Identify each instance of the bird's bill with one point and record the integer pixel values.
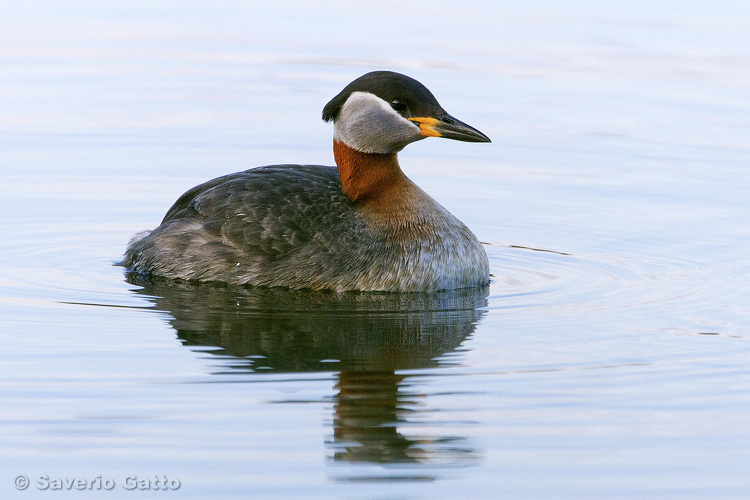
(450, 128)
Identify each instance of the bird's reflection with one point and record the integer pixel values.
(367, 338)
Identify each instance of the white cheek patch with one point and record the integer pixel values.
(367, 123)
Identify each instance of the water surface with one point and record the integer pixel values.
(608, 358)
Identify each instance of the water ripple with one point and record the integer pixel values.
(681, 296)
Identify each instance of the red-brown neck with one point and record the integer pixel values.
(367, 176)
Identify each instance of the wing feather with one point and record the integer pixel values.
(269, 210)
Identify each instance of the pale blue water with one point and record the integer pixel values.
(608, 359)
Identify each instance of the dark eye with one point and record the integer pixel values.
(398, 105)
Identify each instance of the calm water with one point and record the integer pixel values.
(608, 359)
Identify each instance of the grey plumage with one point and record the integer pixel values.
(290, 225)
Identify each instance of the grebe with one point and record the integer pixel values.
(362, 225)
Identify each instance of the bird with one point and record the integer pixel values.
(359, 226)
